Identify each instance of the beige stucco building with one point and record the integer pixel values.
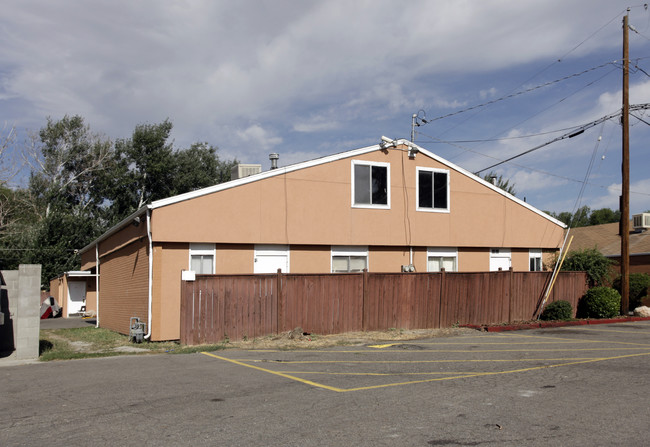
(384, 207)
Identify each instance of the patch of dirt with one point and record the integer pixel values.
(297, 339)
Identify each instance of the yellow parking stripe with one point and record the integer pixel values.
(453, 377)
(577, 340)
(286, 376)
(629, 331)
(297, 362)
(407, 351)
(490, 373)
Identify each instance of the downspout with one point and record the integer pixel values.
(150, 273)
(97, 285)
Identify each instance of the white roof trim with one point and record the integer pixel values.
(307, 164)
(115, 228)
(339, 156)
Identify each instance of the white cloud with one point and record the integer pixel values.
(489, 93)
(258, 137)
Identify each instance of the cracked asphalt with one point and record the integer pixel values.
(561, 386)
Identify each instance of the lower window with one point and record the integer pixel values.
(439, 258)
(202, 258)
(535, 260)
(349, 259)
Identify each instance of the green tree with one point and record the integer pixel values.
(500, 182)
(589, 260)
(65, 165)
(604, 216)
(199, 167)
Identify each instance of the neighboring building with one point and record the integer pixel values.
(607, 240)
(386, 208)
(75, 292)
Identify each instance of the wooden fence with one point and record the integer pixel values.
(216, 307)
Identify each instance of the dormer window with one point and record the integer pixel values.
(370, 184)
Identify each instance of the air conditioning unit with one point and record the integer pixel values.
(641, 221)
(244, 170)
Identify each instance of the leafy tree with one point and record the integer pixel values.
(65, 165)
(584, 216)
(199, 167)
(603, 216)
(500, 182)
(589, 260)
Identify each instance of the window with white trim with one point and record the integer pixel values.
(439, 258)
(370, 184)
(432, 189)
(349, 259)
(535, 260)
(202, 258)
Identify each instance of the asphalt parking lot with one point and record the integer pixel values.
(564, 386)
(426, 361)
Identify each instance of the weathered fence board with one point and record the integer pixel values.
(216, 307)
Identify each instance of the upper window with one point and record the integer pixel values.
(433, 190)
(370, 184)
(202, 258)
(535, 259)
(349, 259)
(439, 258)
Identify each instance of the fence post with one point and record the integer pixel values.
(443, 276)
(510, 298)
(280, 306)
(365, 293)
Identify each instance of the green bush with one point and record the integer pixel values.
(590, 260)
(600, 302)
(639, 283)
(558, 310)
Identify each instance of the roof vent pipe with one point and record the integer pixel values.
(274, 160)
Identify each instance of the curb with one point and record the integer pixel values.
(547, 324)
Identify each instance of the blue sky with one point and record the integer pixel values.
(307, 79)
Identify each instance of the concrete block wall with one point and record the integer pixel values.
(21, 297)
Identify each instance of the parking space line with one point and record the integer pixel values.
(379, 362)
(492, 373)
(628, 331)
(286, 376)
(473, 351)
(577, 340)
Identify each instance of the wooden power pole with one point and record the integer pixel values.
(625, 171)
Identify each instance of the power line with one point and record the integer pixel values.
(512, 95)
(572, 134)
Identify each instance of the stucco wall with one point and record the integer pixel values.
(313, 206)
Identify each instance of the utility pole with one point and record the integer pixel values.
(625, 171)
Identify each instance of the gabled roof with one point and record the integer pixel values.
(340, 156)
(606, 240)
(307, 164)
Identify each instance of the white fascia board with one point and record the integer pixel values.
(261, 176)
(115, 228)
(483, 182)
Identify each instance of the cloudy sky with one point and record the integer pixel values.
(312, 78)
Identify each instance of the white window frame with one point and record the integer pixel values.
(200, 249)
(443, 252)
(352, 182)
(535, 253)
(262, 250)
(346, 250)
(418, 169)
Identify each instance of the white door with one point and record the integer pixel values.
(76, 296)
(270, 258)
(499, 259)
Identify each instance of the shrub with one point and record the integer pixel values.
(558, 310)
(639, 283)
(601, 302)
(590, 260)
